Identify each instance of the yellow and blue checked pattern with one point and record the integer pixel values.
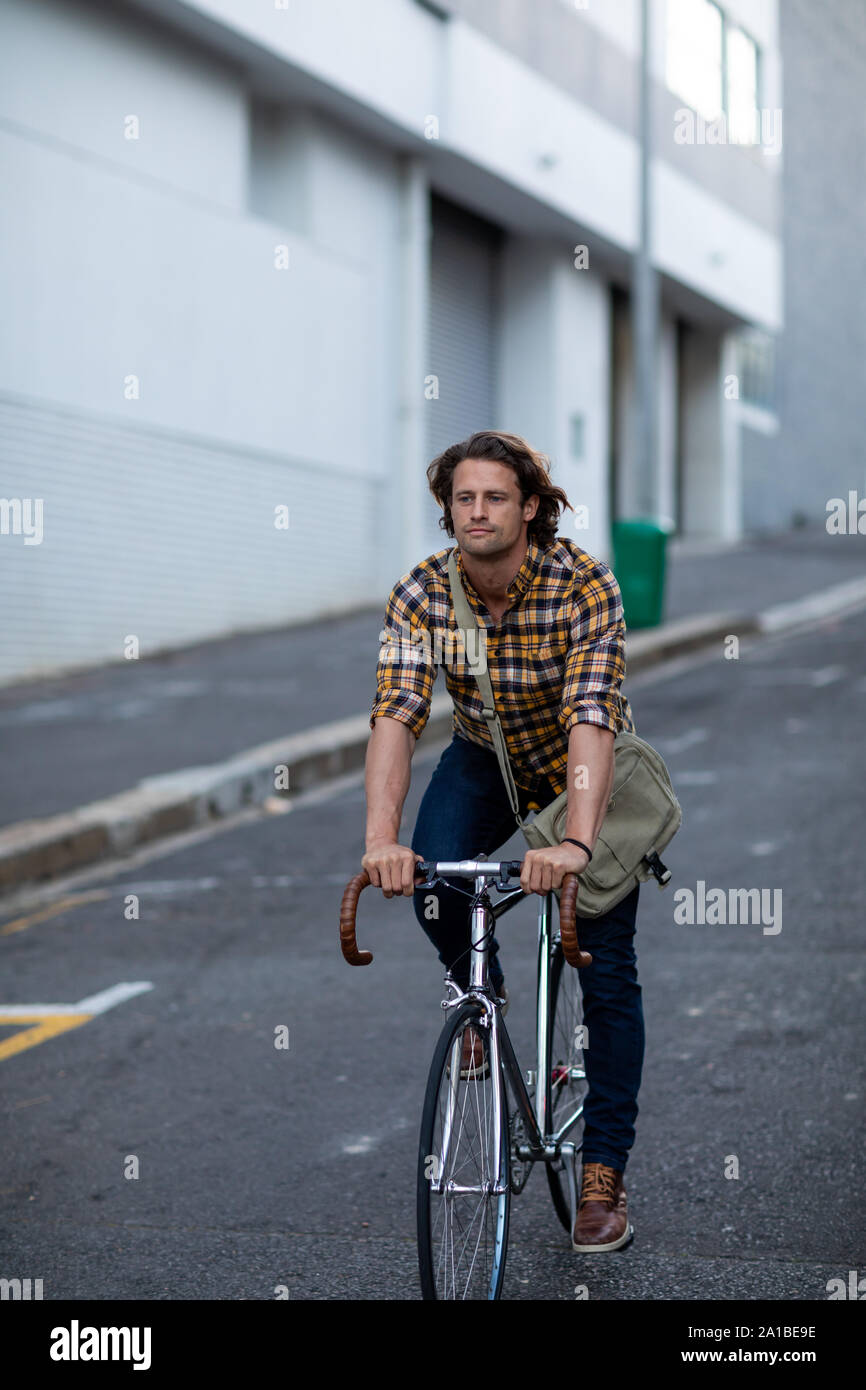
(555, 658)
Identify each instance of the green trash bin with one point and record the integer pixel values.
(639, 559)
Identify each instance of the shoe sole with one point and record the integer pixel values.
(476, 1074)
(624, 1239)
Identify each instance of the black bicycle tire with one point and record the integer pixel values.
(467, 1013)
(557, 1181)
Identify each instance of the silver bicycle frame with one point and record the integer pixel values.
(541, 1145)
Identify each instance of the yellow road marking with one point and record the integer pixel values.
(52, 910)
(39, 1028)
(43, 1021)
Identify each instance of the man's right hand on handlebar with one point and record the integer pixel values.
(391, 867)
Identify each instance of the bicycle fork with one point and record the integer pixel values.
(481, 922)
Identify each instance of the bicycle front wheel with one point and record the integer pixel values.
(464, 1188)
(567, 1072)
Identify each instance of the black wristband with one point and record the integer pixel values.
(568, 841)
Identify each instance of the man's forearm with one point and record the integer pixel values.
(590, 780)
(387, 779)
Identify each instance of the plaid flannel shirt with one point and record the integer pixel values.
(556, 657)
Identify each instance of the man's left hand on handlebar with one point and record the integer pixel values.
(544, 869)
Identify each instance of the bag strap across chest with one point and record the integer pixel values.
(466, 621)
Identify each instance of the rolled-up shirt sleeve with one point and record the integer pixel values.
(595, 663)
(406, 669)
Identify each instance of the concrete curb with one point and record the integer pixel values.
(648, 647)
(826, 603)
(35, 850)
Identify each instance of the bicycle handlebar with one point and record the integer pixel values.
(465, 868)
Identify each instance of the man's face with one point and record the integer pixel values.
(487, 510)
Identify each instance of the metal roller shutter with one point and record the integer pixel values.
(463, 327)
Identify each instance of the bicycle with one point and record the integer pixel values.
(475, 1148)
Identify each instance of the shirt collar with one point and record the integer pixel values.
(521, 582)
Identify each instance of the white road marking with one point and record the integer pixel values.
(172, 885)
(108, 998)
(832, 602)
(366, 1142)
(827, 675)
(362, 1146)
(696, 778)
(38, 713)
(797, 675)
(93, 1004)
(764, 847)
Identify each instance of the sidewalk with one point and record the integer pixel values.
(73, 740)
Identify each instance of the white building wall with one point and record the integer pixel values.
(666, 417)
(73, 76)
(667, 406)
(165, 538)
(620, 21)
(106, 278)
(730, 525)
(507, 119)
(526, 385)
(582, 391)
(702, 243)
(555, 365)
(702, 411)
(166, 386)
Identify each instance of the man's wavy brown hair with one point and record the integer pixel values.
(533, 478)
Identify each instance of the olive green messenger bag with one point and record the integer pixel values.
(642, 815)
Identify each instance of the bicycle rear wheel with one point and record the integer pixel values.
(567, 1071)
(464, 1189)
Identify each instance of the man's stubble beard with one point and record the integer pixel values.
(486, 547)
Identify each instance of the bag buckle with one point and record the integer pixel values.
(657, 869)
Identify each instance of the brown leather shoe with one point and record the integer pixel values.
(473, 1063)
(602, 1212)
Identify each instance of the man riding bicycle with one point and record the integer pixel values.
(553, 636)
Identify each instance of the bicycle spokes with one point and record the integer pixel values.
(467, 1179)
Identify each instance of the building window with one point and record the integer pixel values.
(713, 65)
(756, 369)
(741, 64)
(694, 55)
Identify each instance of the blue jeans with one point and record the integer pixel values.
(465, 812)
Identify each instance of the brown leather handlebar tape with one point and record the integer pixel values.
(348, 908)
(568, 923)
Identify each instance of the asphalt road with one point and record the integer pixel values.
(260, 1167)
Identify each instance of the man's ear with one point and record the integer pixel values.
(530, 507)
